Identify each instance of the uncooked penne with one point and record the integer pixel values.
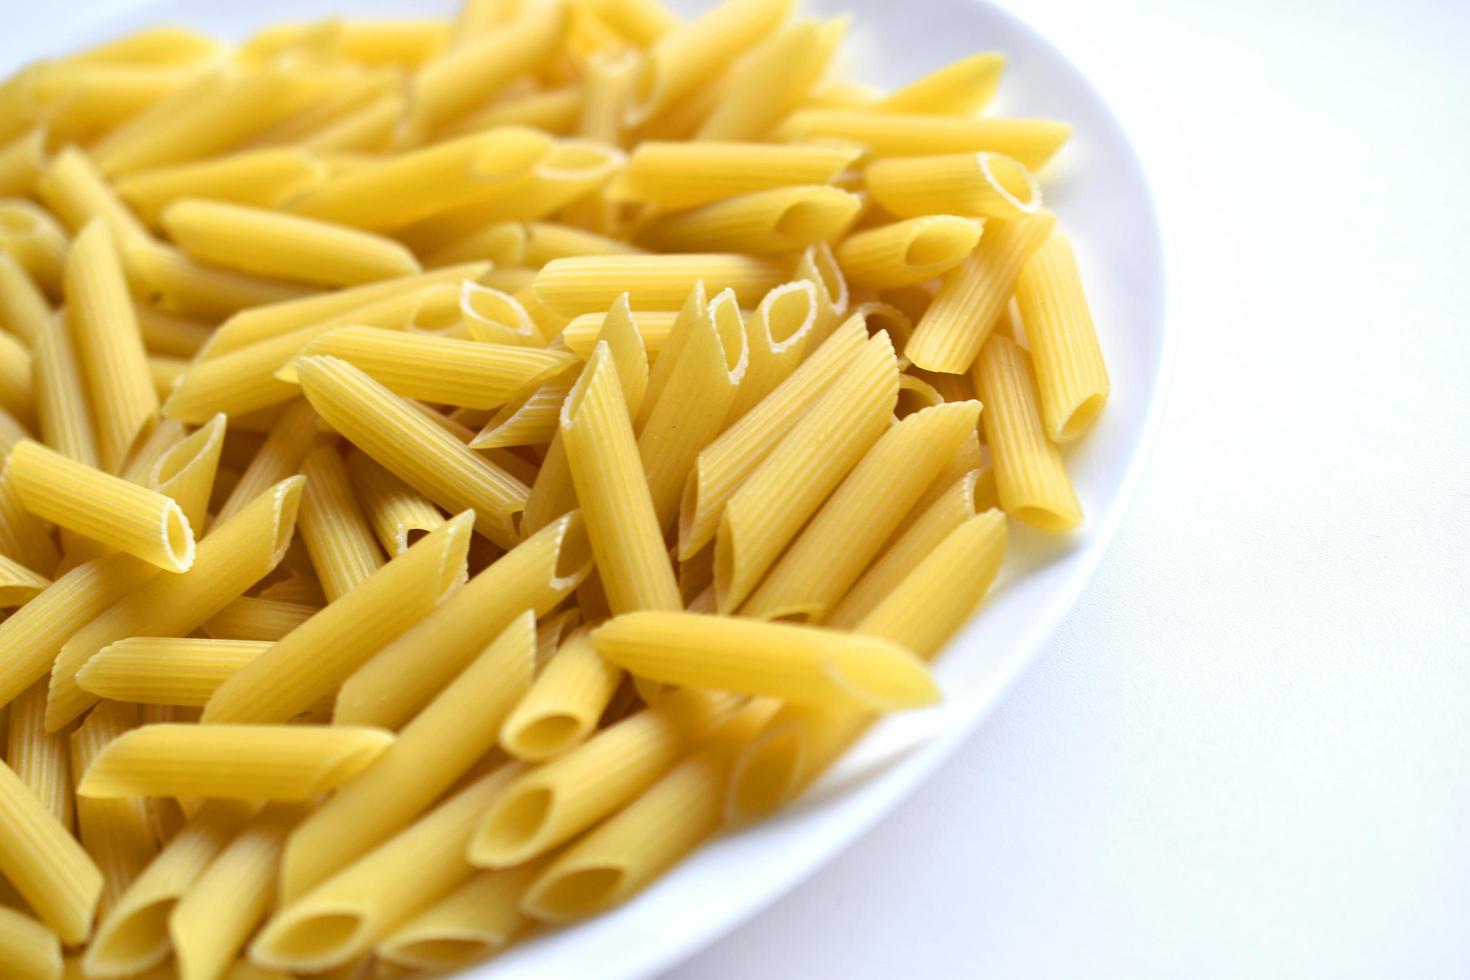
(341, 544)
(28, 949)
(771, 222)
(907, 252)
(564, 703)
(960, 88)
(585, 285)
(36, 240)
(972, 184)
(1031, 141)
(257, 619)
(398, 513)
(165, 669)
(681, 175)
(45, 863)
(264, 178)
(116, 833)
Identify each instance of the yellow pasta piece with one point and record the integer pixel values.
(116, 833)
(291, 438)
(133, 936)
(333, 526)
(37, 241)
(727, 463)
(170, 279)
(232, 557)
(108, 509)
(108, 344)
(316, 658)
(270, 243)
(961, 88)
(18, 584)
(1031, 141)
(681, 175)
(90, 99)
(23, 308)
(398, 514)
(974, 294)
(907, 252)
(419, 184)
(38, 757)
(818, 266)
(21, 162)
(503, 243)
(405, 674)
(693, 54)
(772, 80)
(692, 405)
(846, 533)
(232, 762)
(28, 950)
(171, 334)
(553, 111)
(433, 751)
(440, 369)
(295, 589)
(396, 302)
(449, 85)
(430, 460)
(63, 416)
(17, 388)
(220, 111)
(642, 22)
(528, 420)
(650, 835)
(564, 703)
(348, 913)
(165, 670)
(790, 483)
(972, 184)
(553, 802)
(653, 326)
(152, 46)
(778, 333)
(785, 219)
(928, 605)
(215, 914)
(23, 536)
(584, 285)
(1030, 476)
(186, 470)
(256, 619)
(367, 128)
(1072, 380)
(44, 863)
(613, 491)
(479, 918)
(11, 432)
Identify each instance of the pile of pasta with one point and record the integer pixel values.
(454, 468)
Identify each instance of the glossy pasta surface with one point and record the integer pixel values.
(453, 468)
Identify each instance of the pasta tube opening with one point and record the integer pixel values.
(548, 735)
(766, 774)
(313, 936)
(573, 553)
(517, 823)
(575, 893)
(178, 537)
(937, 243)
(495, 317)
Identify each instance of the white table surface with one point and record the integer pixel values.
(1247, 751)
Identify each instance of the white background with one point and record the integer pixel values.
(1247, 751)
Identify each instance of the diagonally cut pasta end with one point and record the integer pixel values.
(765, 776)
(882, 676)
(177, 538)
(573, 552)
(310, 939)
(511, 830)
(566, 894)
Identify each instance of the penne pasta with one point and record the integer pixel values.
(336, 532)
(186, 470)
(772, 80)
(108, 344)
(785, 219)
(22, 161)
(107, 509)
(17, 385)
(171, 280)
(24, 536)
(263, 178)
(442, 369)
(1030, 476)
(691, 55)
(585, 285)
(972, 184)
(1032, 142)
(280, 456)
(411, 447)
(546, 241)
(46, 865)
(647, 837)
(133, 936)
(62, 413)
(365, 901)
(563, 704)
(312, 661)
(73, 189)
(778, 334)
(404, 675)
(974, 295)
(613, 491)
(960, 88)
(165, 670)
(528, 420)
(170, 334)
(214, 915)
(553, 111)
(907, 252)
(30, 234)
(28, 949)
(18, 584)
(503, 243)
(232, 762)
(480, 917)
(818, 266)
(256, 619)
(232, 557)
(422, 183)
(269, 243)
(23, 308)
(40, 758)
(1072, 381)
(432, 751)
(681, 175)
(552, 803)
(116, 833)
(399, 515)
(789, 484)
(366, 129)
(847, 532)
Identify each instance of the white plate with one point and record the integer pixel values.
(1099, 190)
